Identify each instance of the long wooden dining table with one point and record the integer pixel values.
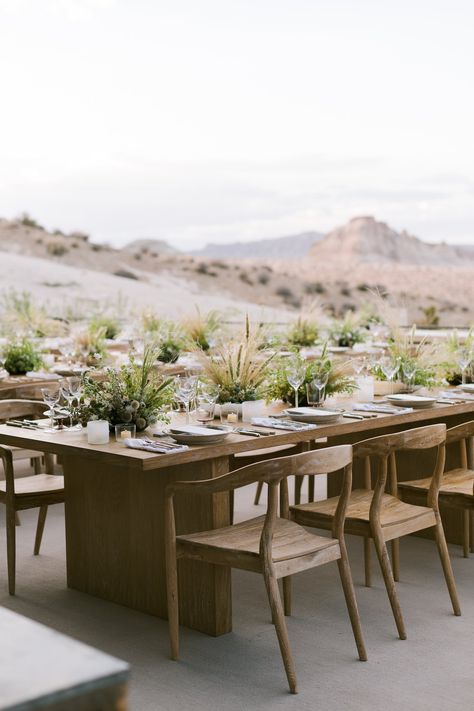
(114, 502)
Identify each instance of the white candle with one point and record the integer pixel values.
(125, 433)
(97, 432)
(232, 417)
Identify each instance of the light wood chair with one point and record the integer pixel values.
(270, 545)
(457, 485)
(37, 491)
(383, 517)
(259, 455)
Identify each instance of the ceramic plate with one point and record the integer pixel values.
(416, 401)
(468, 388)
(312, 414)
(190, 434)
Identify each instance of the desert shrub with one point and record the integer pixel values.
(284, 292)
(27, 221)
(125, 274)
(137, 256)
(345, 291)
(315, 288)
(220, 265)
(82, 236)
(97, 247)
(56, 250)
(430, 316)
(263, 278)
(362, 287)
(243, 276)
(109, 325)
(202, 268)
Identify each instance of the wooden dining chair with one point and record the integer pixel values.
(18, 494)
(242, 459)
(457, 485)
(380, 516)
(271, 545)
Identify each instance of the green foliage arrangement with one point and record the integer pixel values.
(303, 333)
(200, 329)
(403, 348)
(239, 368)
(348, 332)
(90, 345)
(449, 357)
(109, 324)
(170, 341)
(134, 393)
(19, 357)
(339, 378)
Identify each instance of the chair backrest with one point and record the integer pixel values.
(464, 435)
(383, 449)
(273, 472)
(21, 408)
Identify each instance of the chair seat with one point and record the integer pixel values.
(455, 482)
(392, 512)
(37, 484)
(289, 540)
(19, 453)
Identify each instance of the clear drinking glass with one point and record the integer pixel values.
(389, 367)
(185, 391)
(295, 376)
(51, 396)
(205, 409)
(409, 369)
(465, 358)
(71, 390)
(319, 382)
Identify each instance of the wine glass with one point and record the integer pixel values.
(185, 391)
(67, 350)
(409, 369)
(465, 358)
(295, 376)
(389, 367)
(71, 390)
(205, 409)
(51, 397)
(320, 381)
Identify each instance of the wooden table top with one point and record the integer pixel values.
(115, 453)
(41, 668)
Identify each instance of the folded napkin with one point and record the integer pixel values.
(282, 425)
(458, 395)
(383, 409)
(153, 446)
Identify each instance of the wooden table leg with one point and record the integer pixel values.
(115, 539)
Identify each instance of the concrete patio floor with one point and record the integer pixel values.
(431, 670)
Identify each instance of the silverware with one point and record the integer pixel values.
(164, 445)
(22, 425)
(353, 415)
(252, 433)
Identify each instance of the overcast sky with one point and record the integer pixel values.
(218, 120)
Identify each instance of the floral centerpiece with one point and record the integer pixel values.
(239, 368)
(201, 329)
(348, 332)
(133, 394)
(421, 359)
(340, 379)
(303, 333)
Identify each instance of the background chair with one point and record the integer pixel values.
(270, 545)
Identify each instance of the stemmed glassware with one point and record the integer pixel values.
(295, 376)
(465, 358)
(71, 390)
(185, 391)
(315, 389)
(389, 367)
(409, 369)
(51, 396)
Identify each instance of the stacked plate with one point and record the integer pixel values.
(415, 401)
(192, 434)
(316, 416)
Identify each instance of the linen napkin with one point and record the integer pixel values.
(458, 395)
(282, 425)
(153, 446)
(383, 409)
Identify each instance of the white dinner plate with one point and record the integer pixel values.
(415, 401)
(313, 415)
(467, 388)
(191, 434)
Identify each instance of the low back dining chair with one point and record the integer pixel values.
(270, 545)
(380, 516)
(18, 494)
(457, 485)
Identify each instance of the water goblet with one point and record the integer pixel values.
(71, 390)
(51, 396)
(409, 369)
(389, 367)
(465, 358)
(320, 381)
(185, 391)
(295, 376)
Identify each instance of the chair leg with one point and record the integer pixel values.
(311, 479)
(367, 562)
(258, 493)
(40, 528)
(384, 560)
(11, 549)
(17, 519)
(447, 569)
(172, 599)
(395, 545)
(471, 521)
(351, 602)
(287, 595)
(466, 536)
(231, 508)
(278, 618)
(298, 485)
(49, 463)
(37, 465)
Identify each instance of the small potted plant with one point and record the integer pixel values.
(21, 357)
